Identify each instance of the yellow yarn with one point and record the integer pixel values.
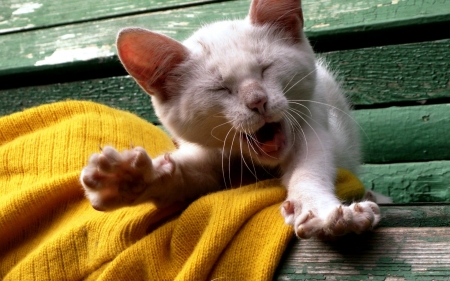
(48, 230)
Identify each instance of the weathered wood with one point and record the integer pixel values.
(323, 15)
(69, 44)
(412, 215)
(17, 15)
(371, 76)
(395, 134)
(405, 134)
(319, 15)
(402, 253)
(119, 92)
(91, 43)
(396, 73)
(409, 182)
(404, 182)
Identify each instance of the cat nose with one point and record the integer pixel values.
(259, 105)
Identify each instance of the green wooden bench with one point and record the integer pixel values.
(393, 57)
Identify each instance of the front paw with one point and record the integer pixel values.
(112, 180)
(337, 221)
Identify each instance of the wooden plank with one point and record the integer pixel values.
(409, 182)
(404, 182)
(402, 253)
(395, 134)
(69, 44)
(371, 76)
(323, 15)
(84, 44)
(405, 134)
(413, 215)
(17, 15)
(396, 73)
(119, 92)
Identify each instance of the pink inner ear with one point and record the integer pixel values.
(149, 56)
(285, 14)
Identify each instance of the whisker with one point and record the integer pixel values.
(223, 156)
(250, 144)
(312, 128)
(304, 77)
(298, 103)
(296, 124)
(289, 82)
(229, 158)
(337, 108)
(306, 115)
(251, 158)
(242, 157)
(220, 125)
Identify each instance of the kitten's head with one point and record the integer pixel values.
(228, 84)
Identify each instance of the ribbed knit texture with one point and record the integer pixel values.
(49, 231)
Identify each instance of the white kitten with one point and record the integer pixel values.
(238, 96)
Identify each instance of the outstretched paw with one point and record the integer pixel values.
(337, 221)
(112, 180)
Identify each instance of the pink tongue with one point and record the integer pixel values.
(274, 144)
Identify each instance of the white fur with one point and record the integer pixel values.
(233, 66)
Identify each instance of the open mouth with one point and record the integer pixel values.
(269, 139)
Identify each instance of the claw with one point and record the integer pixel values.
(340, 228)
(375, 208)
(99, 147)
(288, 207)
(301, 232)
(141, 161)
(104, 164)
(358, 208)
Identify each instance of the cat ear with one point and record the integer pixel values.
(285, 15)
(149, 57)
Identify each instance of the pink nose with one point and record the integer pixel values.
(258, 106)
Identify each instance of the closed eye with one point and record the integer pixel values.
(221, 89)
(265, 68)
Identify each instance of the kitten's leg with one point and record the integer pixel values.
(311, 205)
(112, 180)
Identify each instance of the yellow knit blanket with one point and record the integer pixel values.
(49, 231)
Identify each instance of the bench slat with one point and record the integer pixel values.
(409, 182)
(395, 134)
(404, 182)
(400, 253)
(405, 134)
(71, 46)
(395, 73)
(371, 76)
(18, 15)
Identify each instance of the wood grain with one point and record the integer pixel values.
(409, 182)
(394, 134)
(371, 76)
(405, 134)
(78, 45)
(17, 15)
(395, 73)
(413, 215)
(324, 15)
(400, 253)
